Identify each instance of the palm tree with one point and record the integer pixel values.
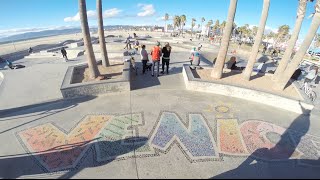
(102, 42)
(280, 85)
(283, 31)
(257, 42)
(218, 66)
(176, 22)
(222, 26)
(202, 21)
(183, 20)
(166, 18)
(254, 30)
(93, 68)
(193, 24)
(216, 26)
(209, 24)
(294, 37)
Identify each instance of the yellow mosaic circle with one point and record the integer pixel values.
(222, 109)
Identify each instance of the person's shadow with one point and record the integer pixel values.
(255, 167)
(15, 166)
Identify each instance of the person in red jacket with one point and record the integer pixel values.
(156, 55)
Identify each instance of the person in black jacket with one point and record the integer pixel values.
(64, 53)
(166, 51)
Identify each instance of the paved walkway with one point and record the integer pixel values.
(158, 130)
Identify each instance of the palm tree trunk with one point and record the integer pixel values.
(191, 31)
(182, 30)
(280, 85)
(93, 68)
(257, 42)
(165, 27)
(102, 42)
(294, 37)
(218, 66)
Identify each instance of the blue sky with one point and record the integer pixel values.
(16, 14)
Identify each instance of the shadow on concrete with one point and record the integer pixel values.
(255, 167)
(207, 61)
(180, 62)
(256, 76)
(46, 109)
(231, 73)
(60, 157)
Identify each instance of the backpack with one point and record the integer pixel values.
(156, 53)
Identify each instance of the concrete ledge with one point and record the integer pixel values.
(70, 90)
(75, 45)
(278, 101)
(1, 78)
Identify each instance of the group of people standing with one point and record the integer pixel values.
(156, 53)
(164, 53)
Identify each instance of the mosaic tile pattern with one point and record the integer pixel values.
(195, 139)
(309, 146)
(261, 137)
(229, 137)
(57, 150)
(120, 128)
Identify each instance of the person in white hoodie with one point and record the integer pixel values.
(144, 58)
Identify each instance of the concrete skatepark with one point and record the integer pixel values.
(159, 129)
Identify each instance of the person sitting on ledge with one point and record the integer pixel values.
(232, 64)
(11, 66)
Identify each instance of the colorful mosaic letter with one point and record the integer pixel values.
(57, 151)
(229, 137)
(196, 141)
(112, 144)
(261, 139)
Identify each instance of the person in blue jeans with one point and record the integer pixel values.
(166, 51)
(156, 55)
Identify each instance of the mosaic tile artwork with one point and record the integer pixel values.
(120, 128)
(309, 147)
(58, 150)
(229, 137)
(189, 137)
(259, 135)
(117, 137)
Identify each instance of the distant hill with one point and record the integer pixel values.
(33, 35)
(55, 32)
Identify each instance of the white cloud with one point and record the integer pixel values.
(268, 29)
(93, 15)
(147, 10)
(111, 13)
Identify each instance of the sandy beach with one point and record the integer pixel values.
(24, 45)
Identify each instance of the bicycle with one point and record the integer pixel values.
(307, 89)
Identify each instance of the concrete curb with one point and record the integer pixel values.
(253, 95)
(70, 90)
(1, 78)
